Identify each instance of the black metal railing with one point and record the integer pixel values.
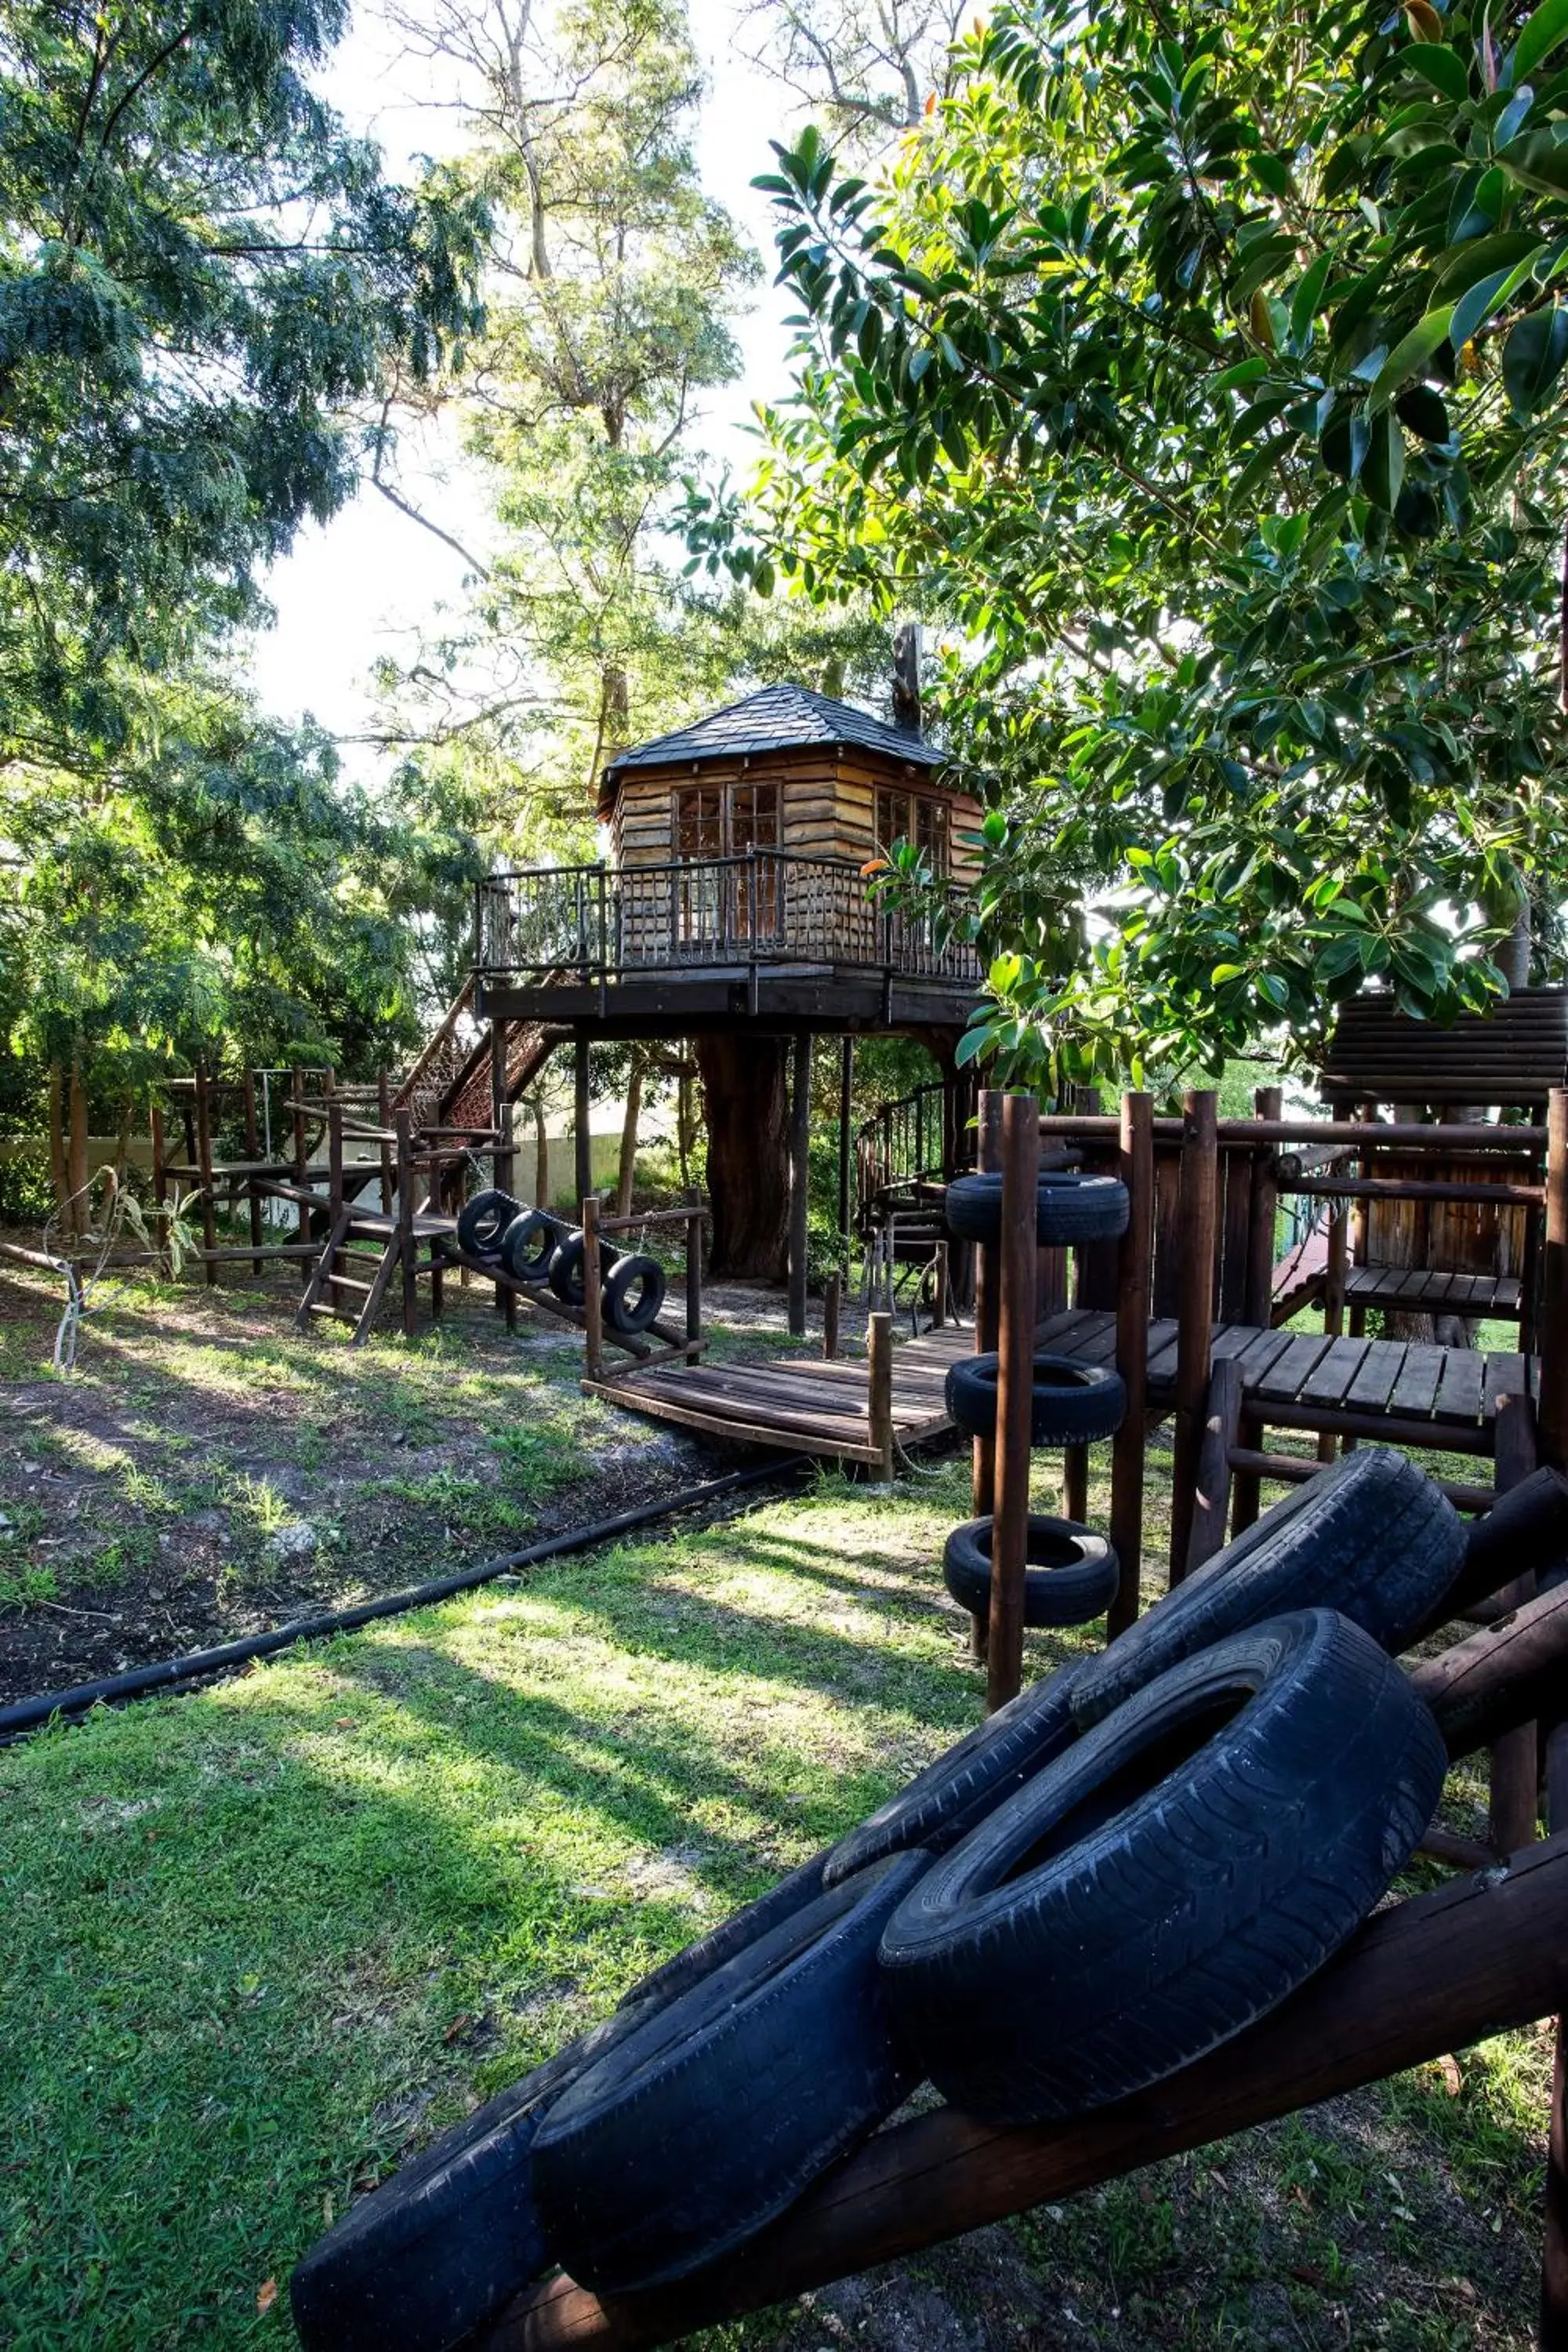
(768, 905)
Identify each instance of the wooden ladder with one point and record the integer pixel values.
(323, 1293)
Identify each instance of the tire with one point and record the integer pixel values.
(1171, 1878)
(1068, 1208)
(482, 1221)
(565, 1274)
(1072, 1405)
(528, 1243)
(1071, 1577)
(434, 2252)
(625, 1313)
(706, 2121)
(943, 1803)
(1372, 1538)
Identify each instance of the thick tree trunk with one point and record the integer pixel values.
(541, 1156)
(59, 1172)
(627, 1170)
(745, 1097)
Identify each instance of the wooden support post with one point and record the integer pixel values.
(846, 1113)
(942, 1284)
(1221, 1422)
(1074, 1482)
(879, 1393)
(1194, 1312)
(252, 1147)
(1552, 2333)
(301, 1172)
(1269, 1102)
(1136, 1169)
(1515, 1758)
(384, 1120)
(799, 1180)
(986, 1296)
(1334, 1303)
(694, 1277)
(1552, 1405)
(831, 1296)
(582, 1140)
(592, 1298)
(205, 1171)
(160, 1171)
(334, 1181)
(1015, 1395)
(406, 1242)
(501, 1158)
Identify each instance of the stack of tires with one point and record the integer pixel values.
(1134, 1861)
(536, 1248)
(1072, 1573)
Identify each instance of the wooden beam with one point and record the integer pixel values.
(407, 1247)
(204, 1169)
(1506, 1674)
(1552, 2333)
(1515, 1756)
(799, 1180)
(694, 1340)
(582, 1110)
(1015, 1395)
(845, 1113)
(1552, 1399)
(1421, 1979)
(302, 1167)
(987, 1299)
(252, 1147)
(1526, 1531)
(879, 1392)
(831, 1296)
(1212, 1497)
(1195, 1311)
(592, 1298)
(1135, 1165)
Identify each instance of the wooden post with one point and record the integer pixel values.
(1136, 1169)
(592, 1300)
(1074, 1482)
(693, 1277)
(880, 1398)
(1194, 1312)
(500, 1155)
(160, 1173)
(384, 1120)
(986, 1296)
(1268, 1103)
(252, 1146)
(1515, 1758)
(1334, 1303)
(404, 1125)
(1015, 1395)
(204, 1173)
(301, 1172)
(846, 1112)
(583, 1142)
(941, 1286)
(831, 1297)
(1552, 1405)
(334, 1181)
(1221, 1422)
(1552, 2336)
(799, 1180)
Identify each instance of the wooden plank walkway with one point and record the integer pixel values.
(802, 1404)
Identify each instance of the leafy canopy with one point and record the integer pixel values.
(1203, 366)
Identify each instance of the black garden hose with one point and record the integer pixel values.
(138, 1681)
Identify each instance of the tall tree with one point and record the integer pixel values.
(867, 68)
(1208, 368)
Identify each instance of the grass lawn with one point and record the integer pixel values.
(262, 1942)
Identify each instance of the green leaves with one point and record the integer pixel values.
(1409, 357)
(1543, 32)
(1442, 67)
(1533, 357)
(1382, 473)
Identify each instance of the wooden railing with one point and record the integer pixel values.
(769, 906)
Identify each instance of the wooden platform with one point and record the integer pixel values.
(798, 1403)
(1411, 1291)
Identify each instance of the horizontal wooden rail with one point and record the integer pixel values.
(1249, 1134)
(654, 1217)
(1412, 1188)
(1420, 1980)
(1295, 1470)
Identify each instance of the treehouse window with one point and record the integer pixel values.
(700, 822)
(713, 821)
(918, 817)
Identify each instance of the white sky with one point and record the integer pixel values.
(353, 590)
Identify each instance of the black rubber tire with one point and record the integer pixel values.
(943, 1803)
(706, 2122)
(1171, 1878)
(1372, 1538)
(440, 2247)
(1073, 1403)
(482, 1221)
(528, 1243)
(566, 1273)
(1071, 1576)
(631, 1317)
(1068, 1208)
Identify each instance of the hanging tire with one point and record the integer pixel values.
(1071, 1578)
(1068, 1208)
(711, 2118)
(1171, 1878)
(566, 1273)
(634, 1294)
(528, 1243)
(1073, 1404)
(482, 1221)
(942, 1804)
(1372, 1538)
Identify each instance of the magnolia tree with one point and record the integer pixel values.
(1203, 370)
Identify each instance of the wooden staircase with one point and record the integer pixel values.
(334, 1290)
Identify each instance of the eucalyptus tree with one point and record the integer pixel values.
(1207, 367)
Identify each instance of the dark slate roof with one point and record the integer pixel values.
(774, 719)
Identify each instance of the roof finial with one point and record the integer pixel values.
(907, 677)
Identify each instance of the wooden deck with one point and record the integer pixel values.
(798, 1403)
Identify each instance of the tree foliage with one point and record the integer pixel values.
(1206, 367)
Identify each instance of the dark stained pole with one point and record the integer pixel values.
(581, 1099)
(845, 1093)
(799, 1180)
(1552, 1405)
(1194, 1310)
(1134, 1259)
(1015, 1395)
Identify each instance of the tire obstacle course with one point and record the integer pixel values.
(1218, 1803)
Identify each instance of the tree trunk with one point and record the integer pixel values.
(58, 1174)
(745, 1098)
(77, 1150)
(122, 1139)
(1512, 956)
(629, 1139)
(683, 1128)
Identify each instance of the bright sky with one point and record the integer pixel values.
(355, 590)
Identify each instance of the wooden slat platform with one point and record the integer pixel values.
(800, 1404)
(1414, 1292)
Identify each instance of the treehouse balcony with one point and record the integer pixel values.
(766, 937)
